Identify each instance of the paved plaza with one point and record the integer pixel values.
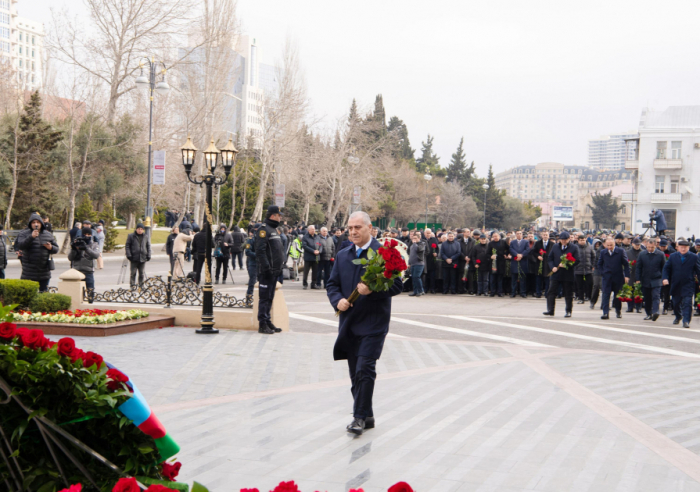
(473, 394)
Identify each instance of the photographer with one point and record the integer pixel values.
(36, 245)
(138, 252)
(658, 217)
(83, 253)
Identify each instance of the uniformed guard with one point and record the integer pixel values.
(250, 264)
(269, 255)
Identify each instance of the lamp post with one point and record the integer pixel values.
(211, 156)
(485, 187)
(162, 87)
(427, 177)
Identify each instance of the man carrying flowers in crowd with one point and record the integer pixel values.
(364, 312)
(614, 267)
(562, 260)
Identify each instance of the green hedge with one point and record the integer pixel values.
(20, 292)
(47, 302)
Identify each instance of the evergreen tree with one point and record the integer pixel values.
(456, 171)
(353, 116)
(403, 148)
(85, 210)
(495, 206)
(379, 113)
(107, 215)
(605, 210)
(428, 161)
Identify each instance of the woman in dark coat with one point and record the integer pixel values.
(37, 245)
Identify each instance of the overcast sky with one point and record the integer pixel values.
(522, 81)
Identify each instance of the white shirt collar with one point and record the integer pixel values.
(366, 245)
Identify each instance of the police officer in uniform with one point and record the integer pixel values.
(250, 264)
(269, 255)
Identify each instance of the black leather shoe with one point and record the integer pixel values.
(647, 318)
(548, 313)
(216, 281)
(568, 314)
(306, 287)
(412, 294)
(605, 316)
(618, 314)
(273, 327)
(500, 295)
(581, 301)
(356, 427)
(629, 310)
(523, 296)
(492, 295)
(676, 321)
(665, 312)
(369, 423)
(265, 330)
(224, 282)
(686, 325)
(592, 306)
(539, 296)
(313, 287)
(655, 316)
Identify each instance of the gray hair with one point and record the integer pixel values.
(364, 215)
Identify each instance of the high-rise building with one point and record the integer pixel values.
(543, 181)
(609, 152)
(21, 45)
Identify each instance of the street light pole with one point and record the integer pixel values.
(427, 177)
(161, 87)
(211, 156)
(485, 187)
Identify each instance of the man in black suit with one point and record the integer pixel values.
(363, 324)
(650, 265)
(561, 275)
(542, 280)
(614, 267)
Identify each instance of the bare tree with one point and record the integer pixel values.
(455, 208)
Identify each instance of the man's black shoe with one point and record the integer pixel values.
(523, 296)
(647, 318)
(548, 313)
(629, 310)
(306, 287)
(216, 281)
(539, 296)
(369, 423)
(492, 295)
(500, 295)
(676, 321)
(224, 282)
(313, 287)
(665, 312)
(273, 327)
(618, 314)
(639, 310)
(412, 294)
(433, 292)
(592, 306)
(356, 427)
(686, 325)
(512, 295)
(568, 314)
(581, 301)
(655, 316)
(605, 316)
(265, 330)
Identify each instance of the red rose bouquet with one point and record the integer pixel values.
(565, 261)
(638, 297)
(542, 253)
(478, 262)
(626, 294)
(382, 268)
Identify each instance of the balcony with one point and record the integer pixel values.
(628, 197)
(668, 163)
(666, 198)
(632, 165)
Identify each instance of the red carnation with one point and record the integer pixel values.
(286, 487)
(91, 358)
(433, 245)
(400, 487)
(570, 257)
(542, 252)
(169, 471)
(387, 273)
(76, 354)
(66, 346)
(117, 378)
(478, 262)
(8, 330)
(73, 488)
(356, 490)
(667, 254)
(250, 490)
(126, 485)
(33, 339)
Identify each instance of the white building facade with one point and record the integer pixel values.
(543, 181)
(609, 152)
(21, 46)
(667, 176)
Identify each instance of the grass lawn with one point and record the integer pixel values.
(157, 237)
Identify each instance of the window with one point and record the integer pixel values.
(675, 150)
(32, 66)
(32, 40)
(622, 226)
(661, 150)
(675, 184)
(659, 184)
(20, 63)
(20, 36)
(20, 50)
(623, 210)
(32, 53)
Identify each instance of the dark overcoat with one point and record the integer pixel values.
(554, 258)
(681, 273)
(650, 268)
(613, 267)
(545, 263)
(364, 326)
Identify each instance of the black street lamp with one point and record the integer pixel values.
(427, 177)
(162, 88)
(211, 156)
(485, 187)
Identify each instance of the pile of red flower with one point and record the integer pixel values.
(626, 294)
(292, 487)
(394, 263)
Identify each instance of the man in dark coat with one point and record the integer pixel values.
(222, 243)
(3, 252)
(597, 277)
(561, 276)
(584, 270)
(481, 259)
(237, 246)
(633, 256)
(498, 263)
(542, 280)
(199, 246)
(450, 253)
(269, 257)
(660, 220)
(312, 255)
(138, 252)
(519, 250)
(650, 266)
(614, 267)
(431, 261)
(364, 324)
(469, 270)
(679, 272)
(36, 245)
(667, 250)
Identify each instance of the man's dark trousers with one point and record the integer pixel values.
(683, 307)
(238, 255)
(514, 284)
(324, 272)
(553, 291)
(652, 297)
(666, 295)
(541, 285)
(313, 266)
(252, 277)
(611, 286)
(197, 268)
(137, 266)
(449, 279)
(266, 292)
(363, 373)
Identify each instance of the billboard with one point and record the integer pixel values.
(158, 167)
(563, 214)
(279, 195)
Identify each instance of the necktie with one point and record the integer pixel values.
(359, 252)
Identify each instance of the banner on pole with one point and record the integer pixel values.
(279, 195)
(356, 192)
(158, 167)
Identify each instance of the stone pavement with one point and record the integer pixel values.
(250, 411)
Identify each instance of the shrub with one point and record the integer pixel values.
(48, 302)
(20, 292)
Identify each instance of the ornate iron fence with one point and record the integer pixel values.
(155, 290)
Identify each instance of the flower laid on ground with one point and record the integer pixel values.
(158, 488)
(400, 487)
(292, 487)
(286, 487)
(86, 317)
(169, 471)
